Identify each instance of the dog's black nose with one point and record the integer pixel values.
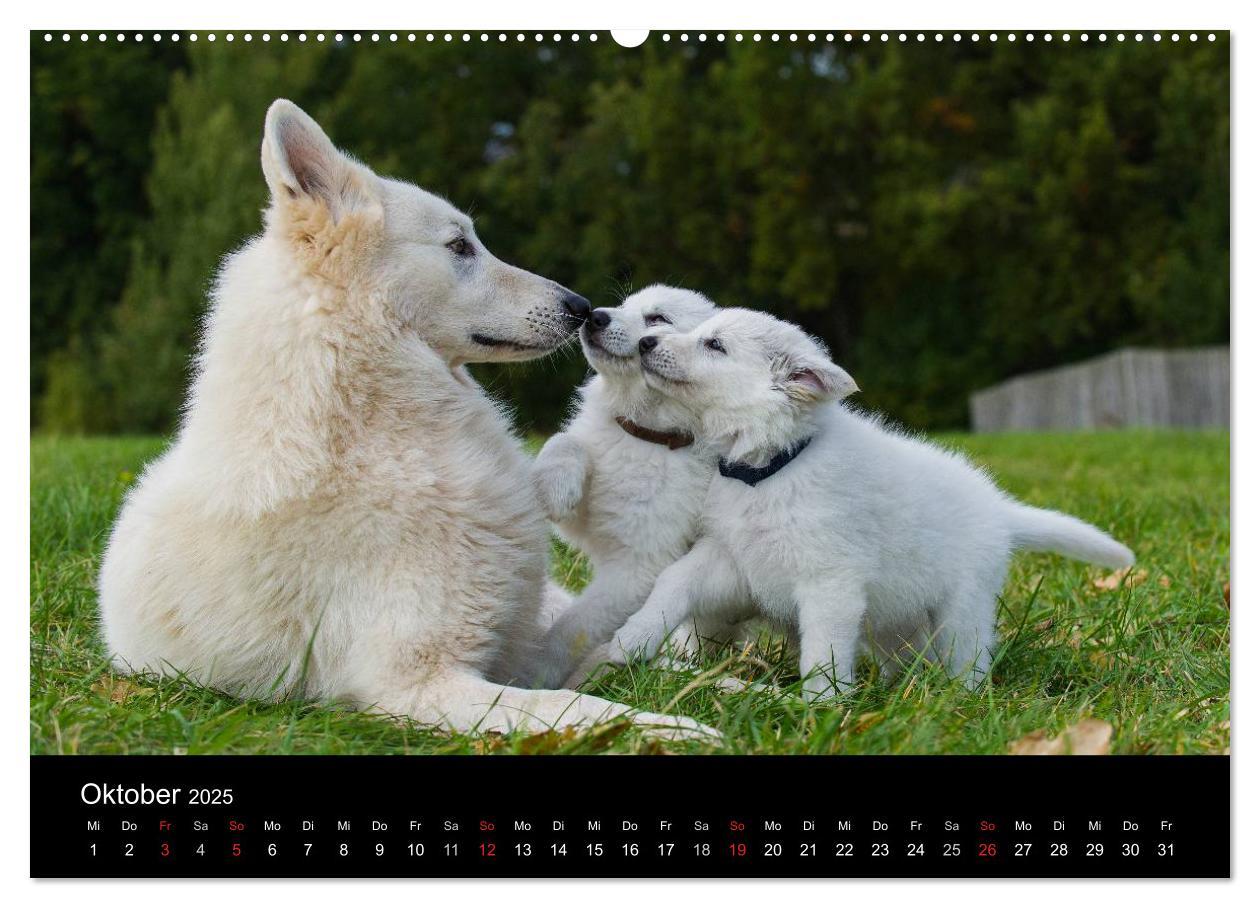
(600, 318)
(578, 307)
(647, 344)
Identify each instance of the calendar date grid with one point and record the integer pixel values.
(467, 816)
(429, 843)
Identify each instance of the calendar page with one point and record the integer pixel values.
(552, 453)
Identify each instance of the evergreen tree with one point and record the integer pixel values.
(943, 215)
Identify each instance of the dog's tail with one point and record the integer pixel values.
(1042, 530)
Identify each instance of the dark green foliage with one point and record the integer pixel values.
(943, 215)
(93, 108)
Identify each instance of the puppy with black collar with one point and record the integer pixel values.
(622, 482)
(829, 520)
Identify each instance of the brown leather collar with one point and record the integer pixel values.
(672, 440)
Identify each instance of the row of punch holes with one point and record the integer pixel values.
(539, 37)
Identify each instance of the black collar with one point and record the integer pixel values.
(753, 475)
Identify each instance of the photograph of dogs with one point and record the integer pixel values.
(622, 482)
(345, 515)
(827, 519)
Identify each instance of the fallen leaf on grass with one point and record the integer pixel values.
(1165, 581)
(546, 742)
(1089, 737)
(1126, 576)
(653, 747)
(603, 736)
(1225, 590)
(595, 738)
(117, 690)
(489, 743)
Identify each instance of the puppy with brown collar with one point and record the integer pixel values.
(622, 482)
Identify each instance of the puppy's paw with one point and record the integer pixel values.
(560, 489)
(819, 688)
(686, 642)
(615, 655)
(635, 642)
(593, 666)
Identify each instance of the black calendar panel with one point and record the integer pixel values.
(630, 816)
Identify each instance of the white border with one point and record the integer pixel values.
(1061, 15)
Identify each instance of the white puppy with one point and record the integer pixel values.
(621, 482)
(830, 521)
(345, 515)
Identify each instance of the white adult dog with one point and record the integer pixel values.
(621, 482)
(828, 520)
(345, 515)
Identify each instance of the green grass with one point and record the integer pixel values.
(1151, 659)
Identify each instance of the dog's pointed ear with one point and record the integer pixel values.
(813, 377)
(300, 163)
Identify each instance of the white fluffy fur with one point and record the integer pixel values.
(868, 536)
(632, 506)
(345, 515)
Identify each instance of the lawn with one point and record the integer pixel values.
(1149, 656)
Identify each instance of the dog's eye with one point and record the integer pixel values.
(715, 345)
(656, 319)
(461, 247)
